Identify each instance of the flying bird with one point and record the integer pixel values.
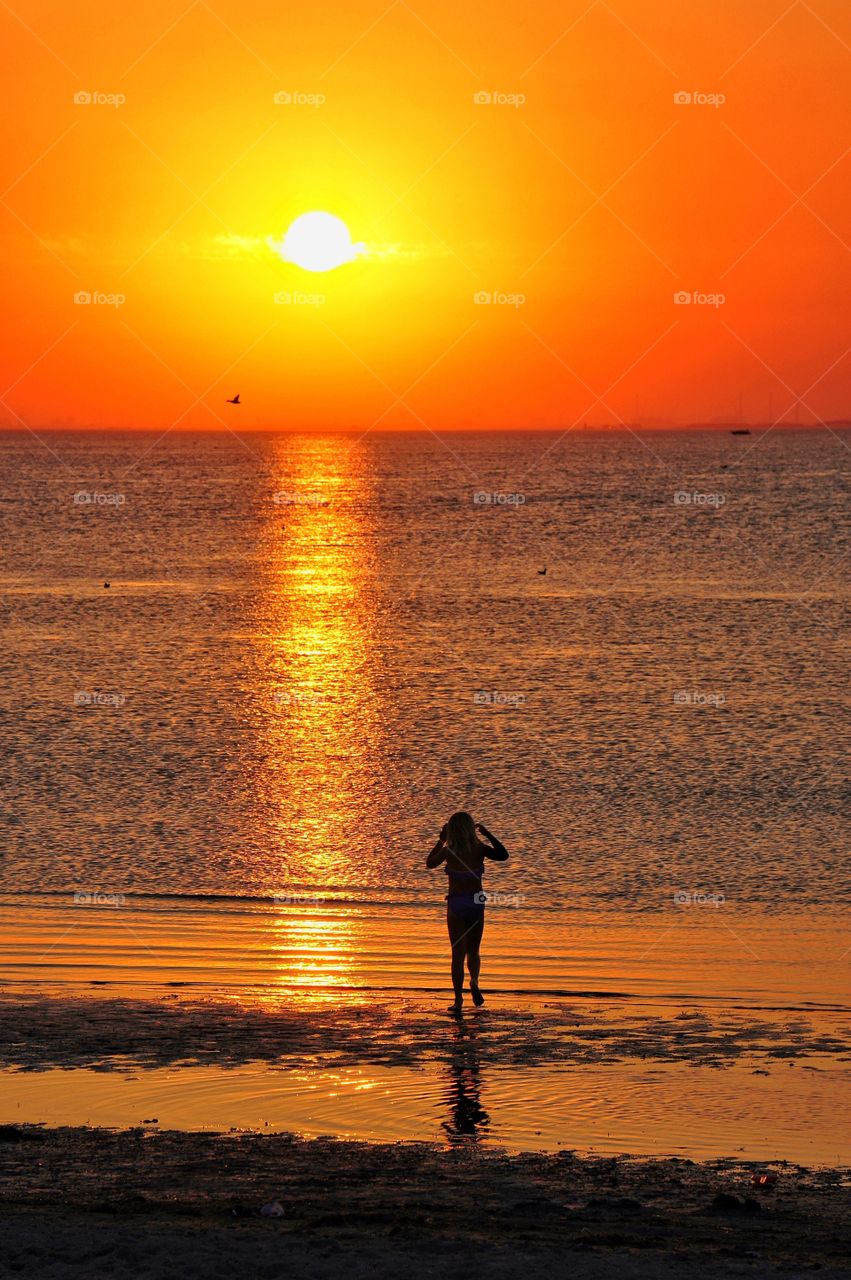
(235, 400)
(542, 572)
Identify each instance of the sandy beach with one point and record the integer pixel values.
(92, 1203)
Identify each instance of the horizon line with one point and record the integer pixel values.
(730, 424)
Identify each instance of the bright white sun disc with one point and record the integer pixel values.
(317, 242)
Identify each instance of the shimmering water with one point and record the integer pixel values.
(222, 773)
(312, 649)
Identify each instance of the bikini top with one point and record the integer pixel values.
(475, 874)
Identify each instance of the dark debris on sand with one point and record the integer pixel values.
(88, 1203)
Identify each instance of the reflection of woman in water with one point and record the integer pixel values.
(468, 1121)
(464, 853)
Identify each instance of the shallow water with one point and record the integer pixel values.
(314, 952)
(696, 1112)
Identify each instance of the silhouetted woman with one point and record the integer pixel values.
(464, 854)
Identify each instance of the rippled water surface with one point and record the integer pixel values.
(312, 649)
(648, 1112)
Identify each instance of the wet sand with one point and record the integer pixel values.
(93, 1203)
(182, 1030)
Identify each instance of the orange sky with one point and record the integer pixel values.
(594, 201)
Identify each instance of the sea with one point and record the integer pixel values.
(246, 678)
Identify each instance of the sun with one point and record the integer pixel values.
(317, 242)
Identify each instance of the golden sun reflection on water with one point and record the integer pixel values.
(315, 954)
(322, 729)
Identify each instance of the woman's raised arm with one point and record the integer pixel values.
(438, 853)
(497, 851)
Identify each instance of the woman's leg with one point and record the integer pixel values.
(458, 940)
(474, 959)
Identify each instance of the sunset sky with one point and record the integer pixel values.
(581, 198)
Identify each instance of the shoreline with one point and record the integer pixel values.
(712, 1039)
(596, 1076)
(178, 1028)
(80, 1202)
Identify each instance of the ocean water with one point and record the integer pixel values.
(314, 648)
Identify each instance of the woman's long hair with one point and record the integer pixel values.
(461, 836)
